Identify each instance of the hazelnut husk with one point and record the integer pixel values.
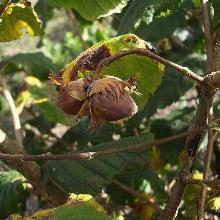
(67, 103)
(105, 99)
(110, 100)
(72, 97)
(77, 88)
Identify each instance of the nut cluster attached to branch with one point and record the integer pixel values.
(104, 99)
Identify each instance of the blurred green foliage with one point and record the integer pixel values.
(174, 28)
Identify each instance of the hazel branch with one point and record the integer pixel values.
(15, 117)
(207, 161)
(210, 183)
(210, 66)
(145, 52)
(95, 154)
(200, 120)
(207, 34)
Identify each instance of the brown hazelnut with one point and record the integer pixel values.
(67, 103)
(77, 89)
(110, 100)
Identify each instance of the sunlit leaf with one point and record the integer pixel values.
(147, 71)
(40, 94)
(214, 204)
(93, 9)
(191, 197)
(15, 18)
(145, 11)
(79, 207)
(90, 58)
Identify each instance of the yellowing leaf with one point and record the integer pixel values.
(17, 17)
(41, 94)
(74, 198)
(33, 81)
(79, 207)
(156, 162)
(90, 58)
(144, 211)
(214, 204)
(192, 196)
(197, 175)
(147, 72)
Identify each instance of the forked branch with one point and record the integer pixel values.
(145, 52)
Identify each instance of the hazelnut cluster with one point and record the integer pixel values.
(105, 99)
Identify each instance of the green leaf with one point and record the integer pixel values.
(79, 207)
(216, 6)
(35, 63)
(214, 204)
(146, 11)
(89, 176)
(90, 58)
(16, 17)
(41, 94)
(147, 72)
(44, 11)
(191, 197)
(3, 105)
(79, 212)
(93, 9)
(13, 192)
(167, 25)
(83, 136)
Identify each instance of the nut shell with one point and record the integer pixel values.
(104, 107)
(76, 89)
(67, 103)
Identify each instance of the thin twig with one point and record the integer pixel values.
(2, 9)
(171, 209)
(91, 155)
(134, 193)
(210, 66)
(145, 52)
(210, 183)
(208, 34)
(207, 161)
(15, 117)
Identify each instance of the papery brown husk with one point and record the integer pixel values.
(76, 89)
(67, 103)
(105, 107)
